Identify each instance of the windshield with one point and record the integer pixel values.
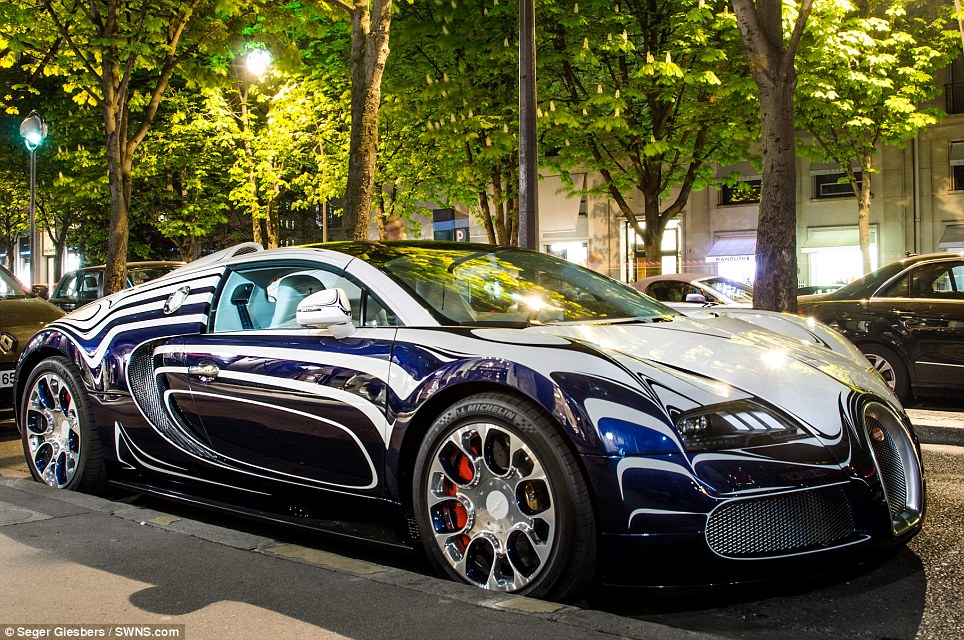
(735, 291)
(483, 285)
(10, 287)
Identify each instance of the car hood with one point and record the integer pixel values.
(21, 318)
(796, 375)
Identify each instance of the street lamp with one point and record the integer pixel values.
(258, 61)
(33, 129)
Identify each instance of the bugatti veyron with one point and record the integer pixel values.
(533, 425)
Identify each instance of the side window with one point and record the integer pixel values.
(949, 284)
(900, 289)
(669, 291)
(87, 286)
(261, 298)
(267, 297)
(67, 288)
(366, 309)
(931, 281)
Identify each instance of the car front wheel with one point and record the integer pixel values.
(501, 502)
(59, 441)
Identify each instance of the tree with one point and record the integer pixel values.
(651, 96)
(865, 69)
(771, 59)
(457, 132)
(121, 59)
(371, 23)
(181, 176)
(14, 199)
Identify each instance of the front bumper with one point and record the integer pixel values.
(804, 507)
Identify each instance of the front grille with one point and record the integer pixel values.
(898, 465)
(781, 525)
(891, 467)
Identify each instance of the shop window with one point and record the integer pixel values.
(746, 191)
(834, 185)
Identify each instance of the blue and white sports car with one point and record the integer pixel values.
(533, 425)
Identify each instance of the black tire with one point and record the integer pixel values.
(523, 522)
(891, 368)
(62, 447)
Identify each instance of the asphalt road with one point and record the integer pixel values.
(918, 593)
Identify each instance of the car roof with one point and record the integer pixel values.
(679, 277)
(144, 263)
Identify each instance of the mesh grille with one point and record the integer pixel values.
(244, 251)
(144, 386)
(890, 465)
(781, 524)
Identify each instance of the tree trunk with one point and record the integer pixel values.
(119, 180)
(652, 237)
(771, 64)
(775, 285)
(272, 223)
(369, 51)
(487, 216)
(502, 223)
(863, 210)
(257, 235)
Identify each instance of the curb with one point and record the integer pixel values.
(582, 619)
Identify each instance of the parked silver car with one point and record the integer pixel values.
(686, 291)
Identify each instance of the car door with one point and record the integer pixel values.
(282, 403)
(926, 309)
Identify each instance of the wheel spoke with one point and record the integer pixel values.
(52, 430)
(507, 533)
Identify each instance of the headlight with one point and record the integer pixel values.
(734, 425)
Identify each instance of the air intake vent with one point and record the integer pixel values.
(781, 525)
(145, 389)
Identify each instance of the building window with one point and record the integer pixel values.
(829, 185)
(954, 90)
(956, 157)
(638, 265)
(746, 191)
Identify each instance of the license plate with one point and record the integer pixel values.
(6, 379)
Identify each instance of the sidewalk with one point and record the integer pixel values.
(73, 559)
(938, 427)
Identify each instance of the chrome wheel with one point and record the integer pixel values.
(52, 432)
(884, 368)
(491, 506)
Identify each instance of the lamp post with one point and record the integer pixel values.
(33, 129)
(528, 169)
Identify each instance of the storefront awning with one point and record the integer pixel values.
(826, 238)
(558, 210)
(835, 237)
(732, 249)
(953, 237)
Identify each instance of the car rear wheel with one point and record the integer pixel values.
(891, 369)
(59, 441)
(501, 502)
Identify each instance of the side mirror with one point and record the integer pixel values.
(327, 309)
(698, 298)
(41, 290)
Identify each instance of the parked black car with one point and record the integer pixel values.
(22, 314)
(77, 288)
(907, 318)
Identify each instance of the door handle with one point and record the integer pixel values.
(206, 370)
